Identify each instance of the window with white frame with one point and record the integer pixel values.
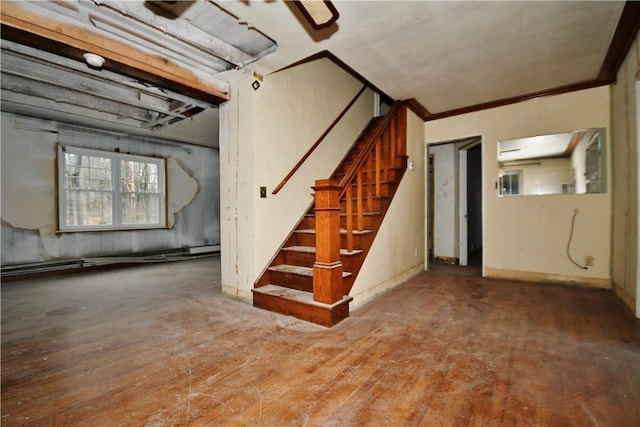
(109, 190)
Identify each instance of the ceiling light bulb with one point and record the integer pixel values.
(94, 60)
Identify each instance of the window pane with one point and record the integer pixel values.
(510, 184)
(87, 172)
(140, 208)
(515, 184)
(89, 208)
(139, 177)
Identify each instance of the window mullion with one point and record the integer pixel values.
(117, 193)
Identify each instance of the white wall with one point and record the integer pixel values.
(529, 234)
(543, 176)
(625, 153)
(264, 133)
(29, 191)
(398, 251)
(445, 218)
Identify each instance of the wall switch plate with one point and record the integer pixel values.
(263, 192)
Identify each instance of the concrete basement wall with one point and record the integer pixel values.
(29, 190)
(264, 133)
(626, 189)
(526, 236)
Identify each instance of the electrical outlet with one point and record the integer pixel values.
(263, 192)
(589, 260)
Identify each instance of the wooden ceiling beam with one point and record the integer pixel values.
(156, 68)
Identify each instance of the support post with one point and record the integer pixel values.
(327, 270)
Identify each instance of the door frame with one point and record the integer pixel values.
(463, 219)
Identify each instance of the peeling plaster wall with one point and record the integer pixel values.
(526, 236)
(29, 189)
(626, 189)
(263, 134)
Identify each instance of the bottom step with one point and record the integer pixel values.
(300, 304)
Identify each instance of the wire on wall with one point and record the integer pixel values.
(573, 223)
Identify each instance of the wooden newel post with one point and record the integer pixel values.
(327, 270)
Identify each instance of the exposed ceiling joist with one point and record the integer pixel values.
(32, 72)
(132, 36)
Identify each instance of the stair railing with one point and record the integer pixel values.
(384, 152)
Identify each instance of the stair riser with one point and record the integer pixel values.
(310, 313)
(369, 222)
(376, 205)
(309, 239)
(305, 239)
(304, 259)
(291, 280)
(360, 241)
(308, 259)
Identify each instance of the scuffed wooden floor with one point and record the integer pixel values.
(160, 346)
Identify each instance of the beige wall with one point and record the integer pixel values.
(526, 237)
(263, 135)
(398, 251)
(625, 181)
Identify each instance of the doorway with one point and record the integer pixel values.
(454, 201)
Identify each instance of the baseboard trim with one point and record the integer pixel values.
(239, 294)
(624, 296)
(370, 294)
(527, 276)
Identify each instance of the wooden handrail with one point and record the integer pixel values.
(315, 145)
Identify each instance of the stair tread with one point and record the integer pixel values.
(342, 231)
(311, 215)
(293, 294)
(363, 213)
(288, 293)
(298, 269)
(312, 250)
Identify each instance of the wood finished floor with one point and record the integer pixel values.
(160, 346)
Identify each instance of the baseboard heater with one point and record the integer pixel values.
(41, 267)
(140, 258)
(197, 250)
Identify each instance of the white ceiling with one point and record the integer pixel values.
(449, 55)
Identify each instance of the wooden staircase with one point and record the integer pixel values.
(314, 270)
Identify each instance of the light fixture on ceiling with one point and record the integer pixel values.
(94, 60)
(319, 13)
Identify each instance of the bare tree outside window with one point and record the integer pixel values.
(139, 187)
(88, 185)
